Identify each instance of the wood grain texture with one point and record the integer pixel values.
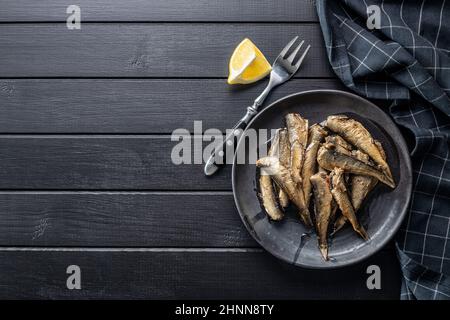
(186, 245)
(186, 275)
(99, 163)
(161, 10)
(146, 50)
(121, 219)
(130, 106)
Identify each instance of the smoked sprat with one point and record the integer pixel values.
(326, 171)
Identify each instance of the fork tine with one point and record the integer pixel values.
(292, 56)
(287, 47)
(299, 62)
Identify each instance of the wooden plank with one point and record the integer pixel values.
(130, 106)
(162, 10)
(101, 162)
(189, 219)
(186, 275)
(146, 50)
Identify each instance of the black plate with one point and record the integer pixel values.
(382, 212)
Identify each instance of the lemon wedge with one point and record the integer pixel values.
(247, 64)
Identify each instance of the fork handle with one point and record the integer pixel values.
(217, 158)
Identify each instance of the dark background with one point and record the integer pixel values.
(85, 171)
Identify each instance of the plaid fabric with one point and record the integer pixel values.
(407, 62)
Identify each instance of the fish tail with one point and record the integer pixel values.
(305, 217)
(339, 224)
(387, 180)
(390, 178)
(385, 176)
(284, 200)
(324, 251)
(387, 172)
(362, 232)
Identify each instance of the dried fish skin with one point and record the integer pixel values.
(298, 139)
(268, 198)
(340, 195)
(328, 158)
(267, 190)
(323, 209)
(355, 133)
(360, 186)
(297, 128)
(337, 140)
(337, 145)
(284, 156)
(316, 135)
(274, 149)
(282, 177)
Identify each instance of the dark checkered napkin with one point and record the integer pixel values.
(406, 61)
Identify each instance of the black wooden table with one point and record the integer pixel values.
(86, 176)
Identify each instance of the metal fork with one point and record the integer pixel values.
(282, 70)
